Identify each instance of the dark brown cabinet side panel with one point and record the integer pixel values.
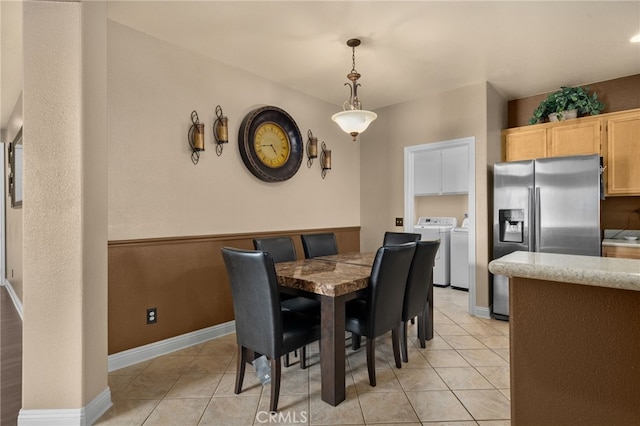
(184, 278)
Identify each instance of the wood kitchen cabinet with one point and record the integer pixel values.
(620, 251)
(614, 136)
(524, 143)
(623, 153)
(571, 138)
(581, 136)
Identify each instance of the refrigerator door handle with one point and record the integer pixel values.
(531, 201)
(537, 220)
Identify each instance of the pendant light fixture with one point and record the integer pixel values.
(353, 120)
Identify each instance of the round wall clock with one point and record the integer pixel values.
(270, 144)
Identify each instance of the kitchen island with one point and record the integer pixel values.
(574, 338)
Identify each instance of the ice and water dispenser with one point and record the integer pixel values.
(511, 225)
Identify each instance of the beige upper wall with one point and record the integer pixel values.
(64, 208)
(11, 118)
(94, 196)
(11, 69)
(450, 115)
(155, 190)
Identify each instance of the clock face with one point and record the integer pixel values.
(270, 144)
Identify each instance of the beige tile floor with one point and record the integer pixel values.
(461, 378)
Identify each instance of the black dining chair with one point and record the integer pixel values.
(416, 295)
(319, 245)
(280, 248)
(392, 238)
(262, 327)
(381, 309)
(283, 250)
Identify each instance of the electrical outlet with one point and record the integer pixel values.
(399, 221)
(152, 315)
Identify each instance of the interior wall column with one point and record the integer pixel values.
(65, 208)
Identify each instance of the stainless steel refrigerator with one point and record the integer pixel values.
(547, 205)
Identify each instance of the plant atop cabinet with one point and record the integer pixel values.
(564, 100)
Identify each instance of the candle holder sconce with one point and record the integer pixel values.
(220, 130)
(312, 148)
(195, 136)
(325, 160)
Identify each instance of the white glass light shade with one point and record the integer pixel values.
(354, 121)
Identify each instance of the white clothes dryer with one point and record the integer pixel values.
(460, 258)
(438, 228)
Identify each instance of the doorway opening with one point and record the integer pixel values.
(411, 153)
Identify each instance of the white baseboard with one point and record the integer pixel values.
(14, 297)
(96, 408)
(152, 350)
(483, 312)
(68, 417)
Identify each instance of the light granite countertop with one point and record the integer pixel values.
(587, 270)
(621, 243)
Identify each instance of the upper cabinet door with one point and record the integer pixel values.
(441, 171)
(575, 139)
(427, 173)
(524, 143)
(455, 170)
(623, 152)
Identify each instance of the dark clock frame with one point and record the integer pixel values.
(246, 136)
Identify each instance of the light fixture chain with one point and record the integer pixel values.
(353, 58)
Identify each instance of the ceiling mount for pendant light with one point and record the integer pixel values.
(353, 120)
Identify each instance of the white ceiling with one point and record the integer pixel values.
(409, 49)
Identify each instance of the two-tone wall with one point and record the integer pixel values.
(185, 279)
(168, 218)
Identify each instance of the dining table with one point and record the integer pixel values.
(333, 280)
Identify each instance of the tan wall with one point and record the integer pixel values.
(442, 205)
(94, 197)
(496, 121)
(455, 114)
(155, 190)
(64, 219)
(184, 278)
(10, 59)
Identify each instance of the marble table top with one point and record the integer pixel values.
(587, 270)
(354, 258)
(328, 278)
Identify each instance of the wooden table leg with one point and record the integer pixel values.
(332, 350)
(429, 319)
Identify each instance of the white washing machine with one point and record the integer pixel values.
(460, 256)
(438, 228)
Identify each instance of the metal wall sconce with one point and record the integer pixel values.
(195, 136)
(325, 160)
(220, 130)
(312, 148)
